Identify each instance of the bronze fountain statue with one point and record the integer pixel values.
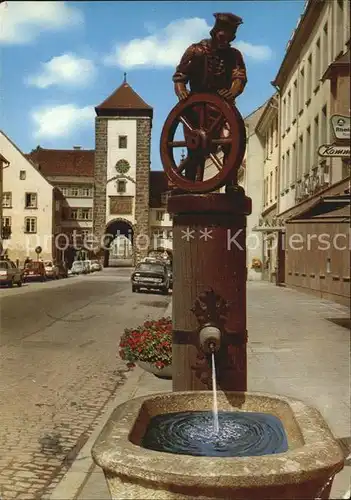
(206, 270)
(216, 75)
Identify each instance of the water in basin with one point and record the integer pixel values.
(240, 434)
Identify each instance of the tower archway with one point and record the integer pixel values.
(118, 243)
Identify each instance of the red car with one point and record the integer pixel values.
(34, 271)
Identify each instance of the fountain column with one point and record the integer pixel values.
(209, 252)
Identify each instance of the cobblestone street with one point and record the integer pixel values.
(59, 370)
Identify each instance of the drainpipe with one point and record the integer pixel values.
(277, 273)
(279, 143)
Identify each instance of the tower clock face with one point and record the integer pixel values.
(122, 166)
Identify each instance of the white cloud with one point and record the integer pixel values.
(257, 52)
(60, 121)
(23, 22)
(67, 69)
(165, 47)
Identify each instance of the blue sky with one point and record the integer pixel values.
(60, 59)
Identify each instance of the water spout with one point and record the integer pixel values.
(210, 339)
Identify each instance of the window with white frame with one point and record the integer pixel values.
(85, 214)
(31, 200)
(300, 158)
(85, 234)
(271, 186)
(122, 142)
(317, 64)
(7, 200)
(74, 213)
(301, 88)
(169, 234)
(86, 192)
(309, 77)
(64, 190)
(325, 48)
(121, 186)
(294, 102)
(276, 183)
(324, 125)
(74, 191)
(30, 225)
(283, 116)
(288, 110)
(339, 35)
(159, 215)
(308, 150)
(6, 228)
(282, 180)
(22, 175)
(6, 221)
(293, 163)
(315, 140)
(287, 166)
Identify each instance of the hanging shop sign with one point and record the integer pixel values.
(334, 151)
(341, 126)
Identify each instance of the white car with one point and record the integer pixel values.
(77, 267)
(87, 266)
(51, 270)
(10, 274)
(95, 265)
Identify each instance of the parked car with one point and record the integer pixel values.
(87, 266)
(78, 267)
(170, 274)
(10, 274)
(95, 265)
(51, 270)
(34, 270)
(150, 275)
(62, 270)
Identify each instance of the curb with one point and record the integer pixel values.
(75, 478)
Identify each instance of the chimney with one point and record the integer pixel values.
(77, 147)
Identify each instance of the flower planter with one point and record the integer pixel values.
(150, 346)
(165, 372)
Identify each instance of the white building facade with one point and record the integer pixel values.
(320, 37)
(28, 206)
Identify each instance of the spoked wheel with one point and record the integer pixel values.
(214, 134)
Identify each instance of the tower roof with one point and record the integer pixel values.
(124, 101)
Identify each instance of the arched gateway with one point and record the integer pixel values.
(118, 243)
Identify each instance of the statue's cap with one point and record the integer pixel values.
(227, 20)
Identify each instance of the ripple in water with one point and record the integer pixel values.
(241, 434)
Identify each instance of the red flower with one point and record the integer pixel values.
(150, 342)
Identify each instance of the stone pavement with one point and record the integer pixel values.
(59, 371)
(295, 349)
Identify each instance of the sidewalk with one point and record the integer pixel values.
(295, 349)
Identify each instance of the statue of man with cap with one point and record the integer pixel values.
(212, 66)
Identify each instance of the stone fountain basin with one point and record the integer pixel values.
(133, 472)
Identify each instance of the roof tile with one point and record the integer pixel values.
(75, 162)
(124, 98)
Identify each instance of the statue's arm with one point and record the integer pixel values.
(239, 79)
(182, 74)
(239, 76)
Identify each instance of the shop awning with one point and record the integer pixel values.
(326, 207)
